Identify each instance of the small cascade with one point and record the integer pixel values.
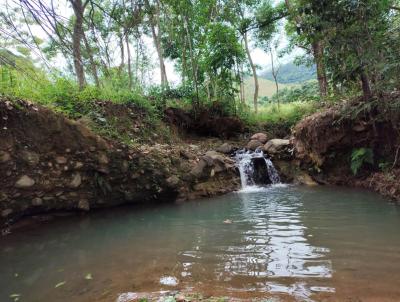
(272, 173)
(255, 169)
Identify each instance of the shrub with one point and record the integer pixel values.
(359, 157)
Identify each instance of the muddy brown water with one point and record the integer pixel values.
(283, 243)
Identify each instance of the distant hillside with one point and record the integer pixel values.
(267, 87)
(291, 73)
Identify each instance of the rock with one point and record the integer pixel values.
(83, 204)
(61, 160)
(226, 148)
(278, 147)
(31, 158)
(24, 182)
(305, 179)
(180, 298)
(187, 155)
(261, 137)
(172, 181)
(253, 144)
(78, 165)
(4, 156)
(198, 170)
(6, 212)
(76, 181)
(102, 159)
(37, 201)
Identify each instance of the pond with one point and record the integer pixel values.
(288, 243)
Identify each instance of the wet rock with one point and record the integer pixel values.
(30, 157)
(37, 201)
(84, 205)
(4, 157)
(76, 181)
(278, 147)
(225, 148)
(61, 160)
(24, 182)
(261, 137)
(254, 144)
(305, 179)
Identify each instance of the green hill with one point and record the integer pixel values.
(291, 73)
(267, 87)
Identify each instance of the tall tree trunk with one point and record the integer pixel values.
(128, 52)
(194, 68)
(77, 36)
(93, 65)
(321, 72)
(122, 49)
(275, 75)
(366, 87)
(155, 31)
(253, 68)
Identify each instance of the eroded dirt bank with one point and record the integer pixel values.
(324, 142)
(49, 162)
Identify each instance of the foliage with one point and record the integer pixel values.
(359, 157)
(284, 117)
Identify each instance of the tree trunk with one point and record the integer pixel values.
(155, 31)
(121, 45)
(194, 68)
(366, 87)
(128, 52)
(93, 65)
(77, 35)
(275, 75)
(321, 72)
(253, 68)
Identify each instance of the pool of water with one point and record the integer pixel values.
(287, 243)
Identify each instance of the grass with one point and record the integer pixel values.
(280, 119)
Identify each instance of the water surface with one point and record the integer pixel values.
(286, 242)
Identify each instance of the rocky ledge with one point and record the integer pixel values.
(50, 163)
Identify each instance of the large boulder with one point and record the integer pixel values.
(279, 148)
(254, 144)
(262, 137)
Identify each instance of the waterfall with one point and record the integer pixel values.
(272, 173)
(246, 163)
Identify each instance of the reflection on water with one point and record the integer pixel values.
(295, 244)
(269, 242)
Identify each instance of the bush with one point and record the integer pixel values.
(359, 157)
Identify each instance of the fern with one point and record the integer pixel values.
(359, 157)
